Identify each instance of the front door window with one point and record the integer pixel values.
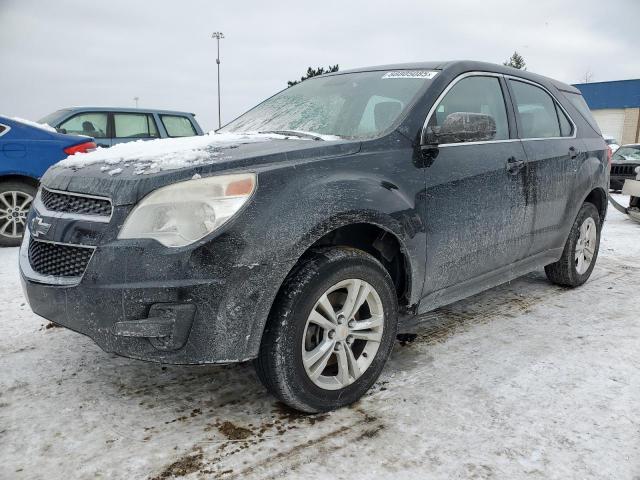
(91, 124)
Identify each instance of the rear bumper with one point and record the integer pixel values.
(146, 303)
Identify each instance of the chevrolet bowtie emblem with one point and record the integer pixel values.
(38, 227)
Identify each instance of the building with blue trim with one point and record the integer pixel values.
(616, 107)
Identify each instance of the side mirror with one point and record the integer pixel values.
(61, 130)
(461, 127)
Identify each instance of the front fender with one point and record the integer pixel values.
(325, 201)
(295, 206)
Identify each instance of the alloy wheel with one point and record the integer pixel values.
(586, 245)
(14, 207)
(342, 334)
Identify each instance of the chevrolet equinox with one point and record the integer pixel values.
(309, 231)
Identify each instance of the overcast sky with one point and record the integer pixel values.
(69, 52)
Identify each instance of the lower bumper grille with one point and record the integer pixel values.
(58, 260)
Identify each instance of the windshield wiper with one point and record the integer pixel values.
(294, 133)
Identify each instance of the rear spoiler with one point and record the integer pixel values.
(563, 87)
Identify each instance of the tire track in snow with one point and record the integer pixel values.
(500, 303)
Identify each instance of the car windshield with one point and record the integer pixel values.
(627, 154)
(352, 105)
(52, 118)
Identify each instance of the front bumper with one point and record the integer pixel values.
(142, 300)
(617, 181)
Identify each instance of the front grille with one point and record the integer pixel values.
(58, 260)
(70, 203)
(624, 170)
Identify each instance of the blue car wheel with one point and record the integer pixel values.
(15, 201)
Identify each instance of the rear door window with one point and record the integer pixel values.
(178, 126)
(134, 125)
(538, 114)
(92, 124)
(475, 94)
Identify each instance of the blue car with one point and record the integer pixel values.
(110, 125)
(27, 150)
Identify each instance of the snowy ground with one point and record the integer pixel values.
(525, 380)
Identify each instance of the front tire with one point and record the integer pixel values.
(580, 251)
(330, 330)
(15, 202)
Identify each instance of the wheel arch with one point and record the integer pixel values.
(380, 242)
(379, 234)
(352, 229)
(16, 177)
(598, 197)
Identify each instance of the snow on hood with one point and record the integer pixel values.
(150, 156)
(41, 126)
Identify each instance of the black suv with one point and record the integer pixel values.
(623, 165)
(312, 229)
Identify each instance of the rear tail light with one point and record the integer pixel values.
(609, 156)
(80, 148)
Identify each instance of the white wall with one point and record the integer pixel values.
(610, 121)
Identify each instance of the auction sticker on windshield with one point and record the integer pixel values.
(429, 74)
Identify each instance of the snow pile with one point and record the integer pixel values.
(167, 153)
(41, 126)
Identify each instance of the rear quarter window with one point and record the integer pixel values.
(578, 102)
(3, 130)
(178, 126)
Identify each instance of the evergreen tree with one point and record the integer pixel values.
(516, 61)
(311, 72)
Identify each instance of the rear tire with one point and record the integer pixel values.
(320, 350)
(580, 251)
(15, 201)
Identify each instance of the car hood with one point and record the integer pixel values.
(625, 163)
(125, 180)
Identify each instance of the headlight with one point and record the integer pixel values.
(183, 213)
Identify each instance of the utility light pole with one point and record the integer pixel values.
(218, 36)
(135, 99)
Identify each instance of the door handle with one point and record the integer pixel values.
(573, 152)
(514, 165)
